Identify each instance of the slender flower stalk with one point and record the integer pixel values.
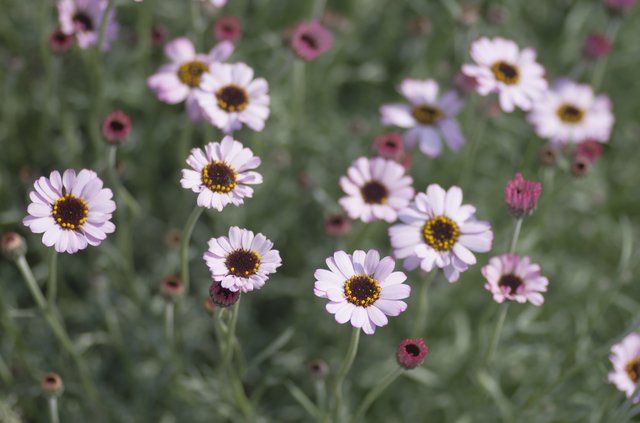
(515, 232)
(184, 247)
(53, 410)
(495, 337)
(168, 324)
(52, 283)
(348, 361)
(231, 333)
(375, 393)
(472, 148)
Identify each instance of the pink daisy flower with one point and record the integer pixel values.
(311, 40)
(227, 28)
(427, 117)
(515, 279)
(376, 189)
(229, 97)
(439, 231)
(83, 18)
(220, 173)
(362, 289)
(242, 261)
(522, 196)
(176, 81)
(502, 67)
(74, 219)
(625, 358)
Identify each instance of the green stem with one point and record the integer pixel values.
(52, 284)
(601, 66)
(195, 24)
(318, 8)
(184, 247)
(5, 372)
(53, 410)
(168, 325)
(103, 24)
(493, 345)
(321, 398)
(375, 393)
(231, 333)
(298, 88)
(120, 190)
(515, 232)
(348, 361)
(421, 315)
(184, 143)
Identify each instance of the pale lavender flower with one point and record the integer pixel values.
(625, 359)
(83, 18)
(515, 279)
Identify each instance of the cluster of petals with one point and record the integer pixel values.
(233, 161)
(503, 68)
(515, 279)
(572, 113)
(331, 284)
(522, 196)
(90, 205)
(455, 226)
(253, 252)
(83, 18)
(625, 357)
(178, 80)
(311, 40)
(427, 117)
(376, 189)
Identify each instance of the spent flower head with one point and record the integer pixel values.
(116, 128)
(311, 40)
(388, 146)
(222, 297)
(227, 28)
(522, 196)
(590, 149)
(625, 358)
(13, 245)
(411, 353)
(516, 279)
(171, 288)
(51, 385)
(597, 46)
(337, 225)
(59, 42)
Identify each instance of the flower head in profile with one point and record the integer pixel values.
(220, 173)
(337, 225)
(522, 196)
(116, 127)
(515, 279)
(427, 117)
(388, 146)
(411, 353)
(625, 358)
(13, 245)
(176, 81)
(502, 67)
(311, 40)
(242, 261)
(439, 231)
(362, 289)
(572, 113)
(227, 28)
(83, 18)
(376, 189)
(590, 149)
(222, 297)
(74, 218)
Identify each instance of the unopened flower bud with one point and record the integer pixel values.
(620, 6)
(13, 245)
(51, 385)
(209, 306)
(522, 196)
(59, 42)
(173, 238)
(411, 353)
(116, 127)
(388, 145)
(171, 288)
(590, 149)
(222, 297)
(596, 46)
(227, 28)
(548, 155)
(337, 225)
(580, 165)
(317, 369)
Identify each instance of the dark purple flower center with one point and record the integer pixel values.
(243, 263)
(512, 281)
(219, 177)
(116, 125)
(632, 369)
(232, 98)
(361, 290)
(504, 72)
(84, 21)
(412, 349)
(70, 212)
(309, 41)
(373, 192)
(440, 233)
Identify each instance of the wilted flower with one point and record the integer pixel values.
(317, 369)
(171, 288)
(497, 14)
(625, 358)
(516, 279)
(549, 154)
(311, 40)
(13, 245)
(116, 127)
(596, 46)
(227, 28)
(337, 225)
(173, 238)
(222, 297)
(51, 385)
(411, 353)
(419, 26)
(83, 18)
(59, 42)
(580, 165)
(590, 149)
(522, 196)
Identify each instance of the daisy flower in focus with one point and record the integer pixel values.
(220, 173)
(73, 219)
(571, 112)
(516, 279)
(83, 18)
(176, 81)
(427, 117)
(439, 231)
(502, 67)
(311, 40)
(362, 289)
(229, 97)
(625, 358)
(242, 261)
(376, 189)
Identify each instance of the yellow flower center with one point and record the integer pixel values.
(219, 176)
(361, 290)
(441, 233)
(70, 212)
(426, 115)
(505, 72)
(190, 73)
(570, 114)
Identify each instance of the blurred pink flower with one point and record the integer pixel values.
(621, 5)
(590, 149)
(83, 18)
(116, 127)
(522, 196)
(311, 40)
(597, 46)
(625, 358)
(227, 28)
(337, 225)
(59, 42)
(388, 146)
(516, 279)
(411, 353)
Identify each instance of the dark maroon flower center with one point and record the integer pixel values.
(309, 41)
(219, 177)
(243, 263)
(61, 37)
(373, 192)
(232, 98)
(504, 72)
(84, 21)
(116, 125)
(512, 281)
(632, 370)
(70, 212)
(441, 233)
(361, 290)
(412, 349)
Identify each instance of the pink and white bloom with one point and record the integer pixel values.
(220, 173)
(515, 279)
(229, 97)
(311, 40)
(439, 231)
(503, 68)
(376, 189)
(217, 3)
(625, 358)
(522, 196)
(427, 117)
(176, 81)
(362, 289)
(242, 261)
(572, 113)
(74, 219)
(83, 18)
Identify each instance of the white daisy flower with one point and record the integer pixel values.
(376, 189)
(427, 117)
(508, 276)
(503, 68)
(625, 358)
(440, 231)
(220, 175)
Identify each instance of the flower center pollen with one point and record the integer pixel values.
(426, 115)
(190, 73)
(505, 72)
(243, 263)
(632, 369)
(441, 233)
(232, 98)
(83, 20)
(510, 280)
(361, 290)
(70, 212)
(570, 114)
(219, 177)
(373, 192)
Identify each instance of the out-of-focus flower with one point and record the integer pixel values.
(596, 46)
(73, 220)
(173, 238)
(406, 161)
(229, 97)
(116, 127)
(242, 261)
(426, 117)
(59, 42)
(580, 165)
(625, 358)
(209, 305)
(317, 369)
(549, 154)
(334, 20)
(220, 176)
(311, 40)
(439, 231)
(217, 3)
(571, 112)
(222, 297)
(620, 6)
(388, 146)
(159, 35)
(337, 225)
(51, 385)
(522, 196)
(419, 26)
(376, 189)
(227, 28)
(83, 18)
(13, 245)
(171, 288)
(411, 353)
(516, 279)
(469, 13)
(465, 84)
(503, 68)
(590, 149)
(362, 289)
(177, 81)
(497, 14)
